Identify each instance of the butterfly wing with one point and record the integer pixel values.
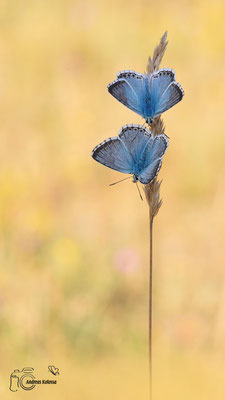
(172, 95)
(159, 82)
(134, 79)
(134, 151)
(155, 148)
(135, 138)
(130, 89)
(150, 173)
(113, 154)
(151, 160)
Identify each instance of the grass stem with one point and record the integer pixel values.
(150, 303)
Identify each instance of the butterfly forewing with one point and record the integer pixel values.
(160, 80)
(172, 95)
(135, 138)
(129, 89)
(113, 154)
(135, 79)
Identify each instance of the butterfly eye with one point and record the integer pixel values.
(149, 121)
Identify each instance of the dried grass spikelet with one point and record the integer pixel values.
(157, 126)
(153, 197)
(152, 190)
(154, 62)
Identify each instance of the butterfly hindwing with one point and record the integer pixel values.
(154, 149)
(151, 159)
(148, 174)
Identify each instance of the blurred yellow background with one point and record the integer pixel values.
(74, 251)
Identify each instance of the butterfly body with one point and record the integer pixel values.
(147, 95)
(134, 151)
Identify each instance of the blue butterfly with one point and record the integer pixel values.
(134, 151)
(147, 95)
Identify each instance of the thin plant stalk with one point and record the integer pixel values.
(150, 303)
(152, 192)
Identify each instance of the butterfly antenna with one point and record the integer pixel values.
(111, 184)
(139, 191)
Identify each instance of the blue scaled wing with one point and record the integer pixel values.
(148, 96)
(159, 82)
(173, 94)
(165, 92)
(150, 173)
(113, 154)
(134, 151)
(154, 150)
(135, 138)
(130, 89)
(151, 159)
(145, 149)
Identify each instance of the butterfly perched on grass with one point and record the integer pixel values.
(147, 95)
(134, 151)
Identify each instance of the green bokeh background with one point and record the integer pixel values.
(74, 251)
